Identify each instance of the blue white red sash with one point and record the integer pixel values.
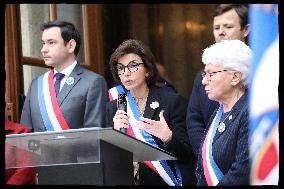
(49, 109)
(211, 171)
(160, 167)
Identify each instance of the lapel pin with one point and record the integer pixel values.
(70, 80)
(230, 117)
(154, 105)
(221, 127)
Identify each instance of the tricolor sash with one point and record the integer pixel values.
(160, 167)
(211, 171)
(49, 109)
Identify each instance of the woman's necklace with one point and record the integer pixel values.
(141, 102)
(222, 126)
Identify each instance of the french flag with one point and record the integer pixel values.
(263, 94)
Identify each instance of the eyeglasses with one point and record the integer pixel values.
(210, 75)
(131, 66)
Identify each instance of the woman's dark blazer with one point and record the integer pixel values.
(230, 148)
(174, 107)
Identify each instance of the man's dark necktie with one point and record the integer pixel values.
(58, 77)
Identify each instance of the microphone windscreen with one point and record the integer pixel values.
(122, 105)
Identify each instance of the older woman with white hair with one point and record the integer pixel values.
(223, 157)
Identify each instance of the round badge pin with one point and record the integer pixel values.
(221, 127)
(70, 80)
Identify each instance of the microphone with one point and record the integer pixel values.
(122, 105)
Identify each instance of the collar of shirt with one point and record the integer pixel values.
(67, 71)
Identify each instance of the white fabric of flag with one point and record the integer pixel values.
(263, 94)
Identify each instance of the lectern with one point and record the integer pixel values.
(89, 156)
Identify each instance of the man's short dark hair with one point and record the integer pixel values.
(68, 32)
(241, 9)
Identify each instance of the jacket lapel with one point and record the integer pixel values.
(152, 97)
(227, 123)
(66, 89)
(236, 110)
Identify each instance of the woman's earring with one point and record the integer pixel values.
(147, 75)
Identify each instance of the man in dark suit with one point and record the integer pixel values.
(230, 22)
(68, 96)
